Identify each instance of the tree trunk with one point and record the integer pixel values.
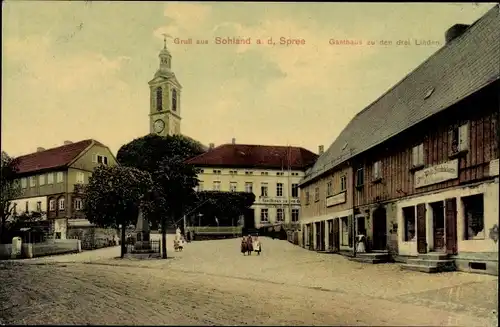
(164, 238)
(122, 252)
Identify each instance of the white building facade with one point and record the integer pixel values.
(271, 173)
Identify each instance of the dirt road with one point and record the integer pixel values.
(210, 283)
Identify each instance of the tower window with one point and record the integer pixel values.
(174, 100)
(159, 99)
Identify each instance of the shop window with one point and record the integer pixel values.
(409, 224)
(473, 217)
(345, 231)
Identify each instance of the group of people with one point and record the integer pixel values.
(250, 244)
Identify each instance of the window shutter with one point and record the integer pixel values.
(420, 156)
(414, 156)
(463, 139)
(351, 230)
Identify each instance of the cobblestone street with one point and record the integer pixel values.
(212, 283)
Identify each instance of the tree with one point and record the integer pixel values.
(145, 153)
(163, 158)
(10, 190)
(113, 196)
(226, 206)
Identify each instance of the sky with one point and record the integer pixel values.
(80, 69)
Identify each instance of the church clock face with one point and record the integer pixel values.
(158, 126)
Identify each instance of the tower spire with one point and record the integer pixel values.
(165, 40)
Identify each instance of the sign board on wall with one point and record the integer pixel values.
(278, 200)
(336, 199)
(494, 167)
(437, 174)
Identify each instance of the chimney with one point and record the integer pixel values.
(233, 141)
(40, 149)
(454, 32)
(67, 142)
(321, 149)
(211, 146)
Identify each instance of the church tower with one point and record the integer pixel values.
(165, 95)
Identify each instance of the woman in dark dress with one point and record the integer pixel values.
(249, 245)
(243, 245)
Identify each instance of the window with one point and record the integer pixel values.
(102, 160)
(377, 170)
(233, 187)
(280, 173)
(61, 204)
(343, 183)
(295, 190)
(39, 206)
(216, 186)
(174, 100)
(233, 172)
(307, 197)
(417, 155)
(473, 217)
(52, 204)
(345, 231)
(265, 173)
(50, 178)
(264, 215)
(295, 215)
(263, 189)
(80, 177)
(249, 187)
(200, 186)
(279, 189)
(78, 204)
(26, 207)
(58, 235)
(32, 181)
(295, 174)
(159, 99)
(409, 224)
(59, 177)
(41, 180)
(280, 214)
(217, 172)
(201, 171)
(360, 177)
(316, 194)
(460, 138)
(24, 182)
(329, 189)
(249, 173)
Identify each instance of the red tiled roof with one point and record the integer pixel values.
(255, 156)
(52, 158)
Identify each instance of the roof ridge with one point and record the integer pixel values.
(58, 147)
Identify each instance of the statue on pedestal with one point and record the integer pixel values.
(142, 234)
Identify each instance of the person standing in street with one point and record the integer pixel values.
(257, 246)
(249, 245)
(243, 245)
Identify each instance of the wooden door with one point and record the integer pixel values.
(451, 225)
(336, 235)
(379, 222)
(322, 236)
(350, 228)
(421, 229)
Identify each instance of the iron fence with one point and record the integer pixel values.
(155, 246)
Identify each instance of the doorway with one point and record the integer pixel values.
(318, 237)
(330, 235)
(438, 225)
(379, 222)
(322, 228)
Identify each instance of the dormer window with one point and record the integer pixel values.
(159, 99)
(174, 100)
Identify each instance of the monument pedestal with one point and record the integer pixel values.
(142, 244)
